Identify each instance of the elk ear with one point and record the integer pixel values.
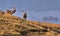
(14, 9)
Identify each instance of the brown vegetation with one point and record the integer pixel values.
(16, 26)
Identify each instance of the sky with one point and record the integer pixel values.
(36, 9)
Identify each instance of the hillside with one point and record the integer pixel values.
(15, 26)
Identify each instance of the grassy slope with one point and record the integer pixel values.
(15, 25)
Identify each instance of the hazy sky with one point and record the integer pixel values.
(37, 9)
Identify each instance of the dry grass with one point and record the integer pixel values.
(15, 26)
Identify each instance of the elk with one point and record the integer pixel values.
(11, 11)
(24, 14)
